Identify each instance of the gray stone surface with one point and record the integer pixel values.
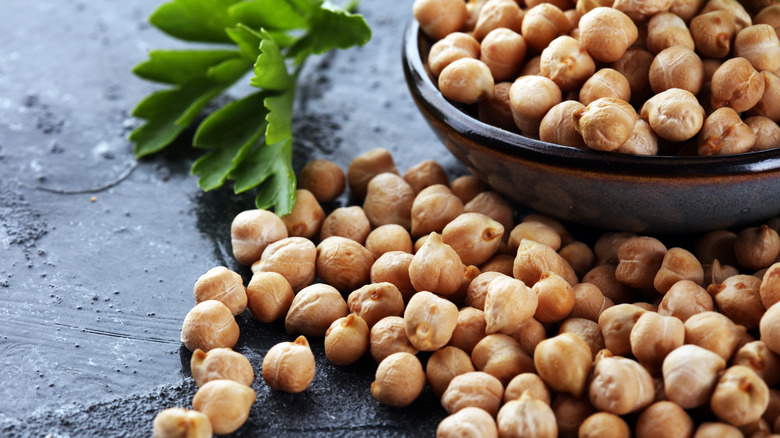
(98, 252)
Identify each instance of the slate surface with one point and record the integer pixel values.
(98, 252)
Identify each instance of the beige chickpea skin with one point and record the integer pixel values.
(289, 366)
(736, 84)
(475, 237)
(604, 425)
(717, 430)
(498, 13)
(438, 18)
(564, 362)
(739, 298)
(674, 114)
(567, 63)
(365, 167)
(536, 231)
(226, 403)
(393, 267)
(555, 297)
(763, 361)
(251, 231)
(499, 263)
(503, 51)
(508, 304)
(221, 363)
(424, 174)
(389, 200)
(620, 386)
(429, 321)
(760, 45)
(433, 208)
(493, 205)
(757, 247)
(181, 423)
(386, 238)
(466, 80)
(468, 422)
(501, 356)
(542, 24)
(399, 380)
(589, 302)
(606, 82)
(534, 259)
(314, 309)
(724, 132)
(530, 98)
(388, 336)
(530, 382)
(209, 324)
(606, 33)
(455, 45)
(640, 260)
(375, 301)
(526, 416)
(589, 331)
(664, 419)
(676, 67)
(690, 373)
(713, 33)
(770, 286)
(770, 334)
(685, 299)
(616, 324)
(346, 340)
(715, 332)
(557, 125)
(766, 130)
(350, 222)
(653, 336)
(293, 257)
(643, 141)
(436, 267)
(343, 263)
(570, 412)
(733, 7)
(466, 187)
(269, 296)
(444, 365)
(666, 30)
(740, 396)
(469, 329)
(634, 65)
(769, 104)
(603, 277)
(678, 264)
(606, 123)
(223, 285)
(473, 389)
(306, 217)
(323, 178)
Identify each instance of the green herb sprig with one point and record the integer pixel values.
(248, 140)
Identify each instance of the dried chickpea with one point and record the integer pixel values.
(715, 273)
(723, 133)
(664, 419)
(508, 304)
(606, 82)
(717, 430)
(642, 141)
(760, 45)
(766, 130)
(733, 7)
(665, 30)
(687, 9)
(375, 301)
(551, 222)
(757, 247)
(589, 302)
(468, 423)
(498, 13)
(473, 389)
(269, 296)
(536, 231)
(616, 324)
(736, 84)
(289, 366)
(542, 24)
(393, 267)
(424, 174)
(531, 67)
(676, 67)
(769, 15)
(503, 51)
(603, 277)
(323, 178)
(579, 256)
(466, 80)
(606, 33)
(713, 33)
(769, 104)
(436, 267)
(400, 379)
(365, 167)
(653, 336)
(222, 284)
(444, 365)
(455, 45)
(181, 423)
(314, 309)
(306, 217)
(770, 286)
(674, 114)
(715, 332)
(738, 298)
(502, 263)
(251, 231)
(293, 257)
(718, 245)
(526, 416)
(350, 222)
(758, 357)
(527, 382)
(564, 362)
(740, 396)
(467, 187)
(690, 373)
(557, 125)
(641, 259)
(346, 340)
(469, 329)
(438, 18)
(769, 330)
(772, 412)
(604, 425)
(478, 289)
(678, 264)
(389, 200)
(606, 123)
(387, 238)
(529, 335)
(589, 331)
(606, 246)
(620, 386)
(475, 237)
(555, 297)
(343, 263)
(570, 412)
(534, 259)
(634, 65)
(501, 356)
(685, 299)
(493, 205)
(430, 321)
(221, 363)
(226, 403)
(388, 336)
(209, 324)
(530, 98)
(433, 208)
(567, 63)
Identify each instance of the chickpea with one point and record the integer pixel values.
(388, 200)
(468, 423)
(343, 263)
(433, 208)
(674, 114)
(570, 412)
(724, 133)
(678, 264)
(542, 24)
(767, 132)
(740, 397)
(579, 256)
(387, 238)
(713, 33)
(375, 301)
(531, 67)
(589, 302)
(475, 237)
(757, 247)
(717, 273)
(589, 331)
(634, 65)
(676, 67)
(534, 259)
(769, 330)
(690, 373)
(620, 386)
(535, 231)
(455, 45)
(718, 245)
(502, 263)
(604, 425)
(760, 45)
(738, 298)
(685, 299)
(493, 205)
(295, 258)
(530, 98)
(473, 389)
(529, 335)
(350, 222)
(365, 167)
(469, 329)
(501, 356)
(563, 362)
(306, 217)
(400, 379)
(526, 416)
(770, 286)
(733, 7)
(269, 296)
(221, 363)
(529, 382)
(606, 82)
(289, 366)
(467, 187)
(466, 80)
(665, 30)
(686, 9)
(606, 33)
(736, 84)
(715, 332)
(424, 174)
(223, 285)
(585, 6)
(503, 51)
(664, 419)
(641, 259)
(251, 231)
(606, 246)
(606, 123)
(567, 63)
(654, 336)
(642, 141)
(438, 18)
(772, 412)
(430, 321)
(717, 430)
(226, 403)
(557, 125)
(314, 309)
(209, 324)
(388, 336)
(603, 277)
(180, 422)
(616, 324)
(498, 13)
(346, 340)
(555, 297)
(436, 267)
(323, 178)
(508, 304)
(758, 357)
(444, 365)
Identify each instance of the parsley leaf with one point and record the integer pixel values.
(249, 140)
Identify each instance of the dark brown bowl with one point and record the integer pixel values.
(647, 194)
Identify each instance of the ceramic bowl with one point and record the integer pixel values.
(642, 194)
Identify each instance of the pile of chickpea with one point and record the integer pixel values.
(644, 77)
(522, 330)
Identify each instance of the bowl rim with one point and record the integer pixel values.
(430, 100)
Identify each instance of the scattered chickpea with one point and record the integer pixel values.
(508, 304)
(444, 365)
(295, 258)
(468, 423)
(526, 416)
(493, 205)
(641, 259)
(475, 237)
(653, 336)
(715, 332)
(616, 324)
(530, 98)
(467, 187)
(536, 231)
(757, 247)
(343, 263)
(579, 256)
(400, 379)
(678, 264)
(606, 246)
(306, 217)
(724, 132)
(665, 30)
(375, 301)
(433, 208)
(289, 366)
(690, 373)
(674, 114)
(366, 166)
(393, 267)
(555, 297)
(534, 259)
(221, 363)
(620, 386)
(314, 309)
(685, 299)
(557, 125)
(501, 356)
(438, 18)
(664, 419)
(209, 324)
(251, 231)
(389, 200)
(606, 123)
(604, 425)
(473, 389)
(350, 222)
(180, 422)
(736, 84)
(269, 296)
(606, 33)
(469, 329)
(589, 302)
(588, 330)
(739, 298)
(527, 382)
(430, 321)
(222, 284)
(436, 267)
(323, 178)
(226, 403)
(466, 80)
(740, 396)
(455, 45)
(388, 336)
(347, 340)
(564, 362)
